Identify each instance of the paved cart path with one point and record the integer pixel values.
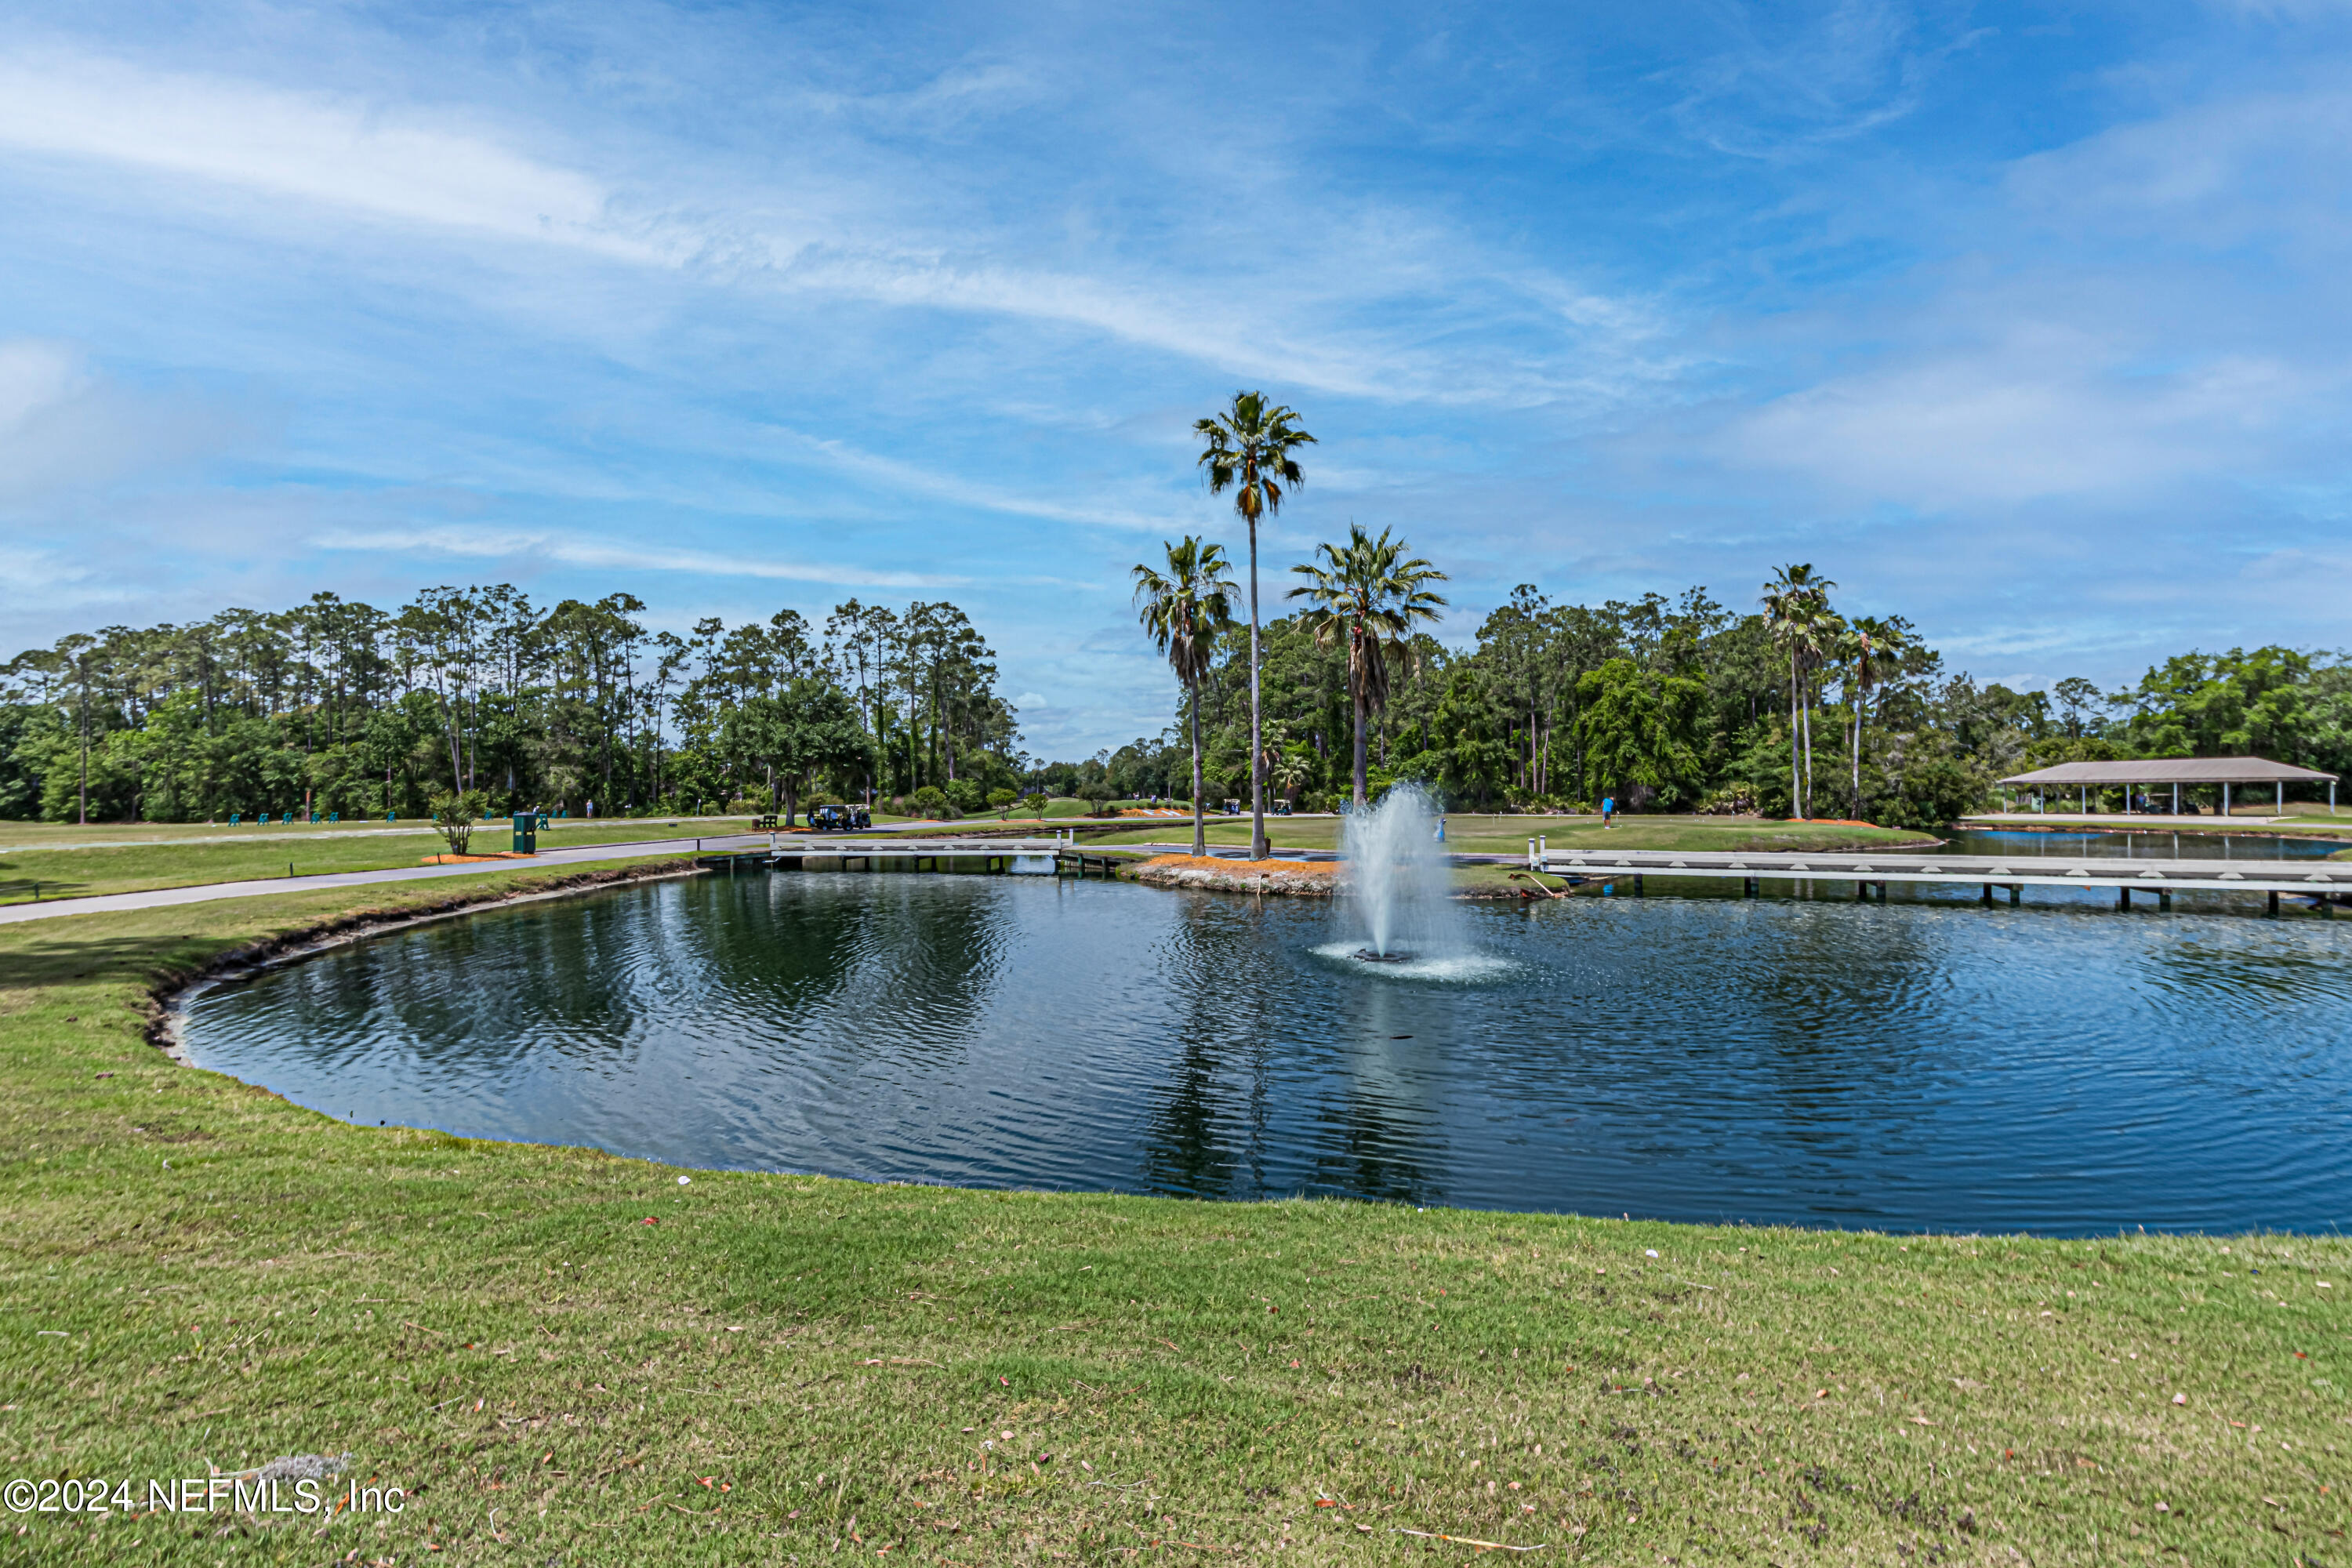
(161, 898)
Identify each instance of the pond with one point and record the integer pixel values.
(1927, 1063)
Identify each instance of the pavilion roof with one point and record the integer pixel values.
(2174, 770)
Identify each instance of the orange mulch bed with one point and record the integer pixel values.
(1295, 878)
(470, 859)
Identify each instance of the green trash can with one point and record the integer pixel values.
(526, 833)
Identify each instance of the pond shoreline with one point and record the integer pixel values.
(168, 999)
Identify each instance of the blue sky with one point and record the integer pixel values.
(2027, 322)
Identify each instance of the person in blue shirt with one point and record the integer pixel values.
(1608, 810)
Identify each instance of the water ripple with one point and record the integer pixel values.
(1921, 1063)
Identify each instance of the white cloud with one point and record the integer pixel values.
(458, 174)
(65, 427)
(576, 549)
(313, 147)
(2046, 411)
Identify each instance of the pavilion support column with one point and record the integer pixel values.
(2176, 800)
(2225, 803)
(2280, 808)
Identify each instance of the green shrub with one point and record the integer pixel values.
(457, 814)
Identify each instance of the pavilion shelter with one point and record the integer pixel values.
(2154, 771)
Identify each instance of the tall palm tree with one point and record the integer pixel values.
(1797, 607)
(1248, 450)
(1369, 592)
(1874, 650)
(1286, 772)
(1184, 610)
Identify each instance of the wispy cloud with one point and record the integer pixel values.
(520, 544)
(755, 304)
(461, 174)
(66, 427)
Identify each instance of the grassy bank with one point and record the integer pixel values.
(784, 1367)
(189, 859)
(1471, 834)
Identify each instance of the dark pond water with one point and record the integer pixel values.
(1921, 1064)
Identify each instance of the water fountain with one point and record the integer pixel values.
(1399, 879)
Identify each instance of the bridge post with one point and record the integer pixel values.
(2123, 898)
(1988, 893)
(1747, 888)
(1638, 889)
(2016, 890)
(2274, 900)
(2164, 900)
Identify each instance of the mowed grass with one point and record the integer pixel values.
(781, 1368)
(224, 856)
(1475, 835)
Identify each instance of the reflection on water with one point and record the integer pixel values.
(1925, 1063)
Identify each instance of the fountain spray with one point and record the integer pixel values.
(1399, 879)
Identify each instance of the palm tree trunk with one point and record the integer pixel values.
(1796, 780)
(1361, 719)
(1257, 757)
(1199, 834)
(1805, 687)
(1857, 754)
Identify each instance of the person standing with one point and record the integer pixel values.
(1608, 810)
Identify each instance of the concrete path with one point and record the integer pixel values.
(258, 835)
(161, 898)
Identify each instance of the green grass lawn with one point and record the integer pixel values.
(188, 859)
(779, 1368)
(62, 835)
(1467, 834)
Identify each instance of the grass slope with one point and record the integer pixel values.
(1470, 834)
(179, 863)
(781, 1368)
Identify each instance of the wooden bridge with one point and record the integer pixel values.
(2319, 879)
(1035, 857)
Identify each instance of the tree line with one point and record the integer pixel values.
(475, 693)
(1788, 708)
(1779, 703)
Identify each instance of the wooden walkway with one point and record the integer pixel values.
(1037, 856)
(2313, 879)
